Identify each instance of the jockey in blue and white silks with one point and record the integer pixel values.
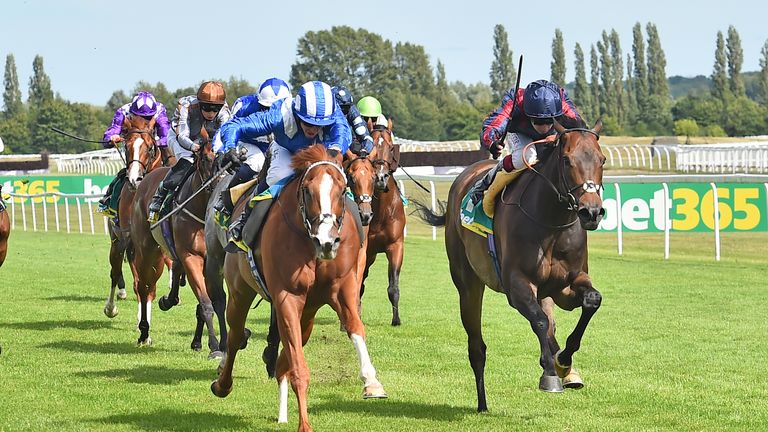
(271, 90)
(313, 116)
(363, 143)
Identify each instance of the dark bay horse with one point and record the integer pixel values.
(386, 229)
(540, 228)
(5, 228)
(142, 156)
(360, 180)
(308, 251)
(187, 232)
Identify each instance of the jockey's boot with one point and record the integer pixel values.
(484, 182)
(236, 228)
(157, 202)
(172, 180)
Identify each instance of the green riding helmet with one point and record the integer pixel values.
(369, 107)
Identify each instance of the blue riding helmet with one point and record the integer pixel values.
(343, 96)
(271, 90)
(314, 104)
(542, 100)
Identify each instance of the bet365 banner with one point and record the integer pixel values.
(741, 207)
(34, 185)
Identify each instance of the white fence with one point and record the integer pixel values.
(71, 213)
(723, 158)
(104, 162)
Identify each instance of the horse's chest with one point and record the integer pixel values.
(555, 262)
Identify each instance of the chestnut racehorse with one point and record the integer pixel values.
(540, 229)
(142, 156)
(309, 257)
(5, 228)
(188, 234)
(386, 229)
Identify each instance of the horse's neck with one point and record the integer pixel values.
(538, 198)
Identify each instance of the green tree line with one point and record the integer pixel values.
(631, 93)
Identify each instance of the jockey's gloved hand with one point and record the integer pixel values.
(363, 153)
(356, 147)
(496, 149)
(233, 155)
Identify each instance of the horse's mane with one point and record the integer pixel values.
(314, 153)
(571, 123)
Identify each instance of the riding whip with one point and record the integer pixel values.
(57, 130)
(514, 95)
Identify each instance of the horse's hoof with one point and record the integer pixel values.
(395, 322)
(196, 346)
(146, 343)
(165, 303)
(374, 391)
(216, 355)
(573, 380)
(216, 390)
(110, 312)
(269, 357)
(246, 336)
(122, 294)
(550, 384)
(561, 370)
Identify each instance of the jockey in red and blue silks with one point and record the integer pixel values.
(271, 90)
(144, 104)
(313, 116)
(532, 119)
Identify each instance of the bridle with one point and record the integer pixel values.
(362, 198)
(301, 197)
(152, 150)
(379, 161)
(565, 194)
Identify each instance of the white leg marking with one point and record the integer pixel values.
(324, 230)
(282, 412)
(367, 372)
(149, 312)
(134, 173)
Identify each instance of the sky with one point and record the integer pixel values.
(92, 48)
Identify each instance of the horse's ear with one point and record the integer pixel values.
(598, 126)
(558, 127)
(152, 123)
(374, 152)
(349, 156)
(389, 124)
(370, 124)
(127, 122)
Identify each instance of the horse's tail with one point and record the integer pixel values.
(428, 215)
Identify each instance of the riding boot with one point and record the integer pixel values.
(236, 228)
(157, 201)
(484, 182)
(175, 176)
(224, 204)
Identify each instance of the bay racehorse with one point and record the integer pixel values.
(183, 239)
(386, 231)
(360, 181)
(539, 226)
(142, 156)
(308, 257)
(147, 254)
(5, 228)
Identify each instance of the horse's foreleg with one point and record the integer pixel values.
(471, 307)
(174, 280)
(289, 309)
(193, 264)
(521, 297)
(590, 300)
(214, 284)
(240, 299)
(269, 355)
(116, 276)
(395, 259)
(548, 306)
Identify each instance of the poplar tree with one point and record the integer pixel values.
(617, 77)
(558, 59)
(12, 93)
(503, 71)
(719, 78)
(735, 62)
(763, 78)
(581, 93)
(657, 64)
(594, 83)
(607, 99)
(640, 79)
(40, 90)
(632, 110)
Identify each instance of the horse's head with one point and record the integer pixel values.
(321, 197)
(140, 148)
(582, 172)
(384, 155)
(360, 180)
(204, 158)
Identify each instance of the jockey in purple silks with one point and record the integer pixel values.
(144, 105)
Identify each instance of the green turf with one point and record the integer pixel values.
(677, 345)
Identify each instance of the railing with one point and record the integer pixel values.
(723, 158)
(71, 213)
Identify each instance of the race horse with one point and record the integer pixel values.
(142, 156)
(309, 257)
(386, 230)
(148, 256)
(540, 241)
(5, 228)
(183, 239)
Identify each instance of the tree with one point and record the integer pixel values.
(607, 97)
(503, 73)
(657, 64)
(640, 79)
(39, 84)
(719, 78)
(12, 93)
(558, 59)
(597, 112)
(763, 78)
(237, 87)
(581, 94)
(118, 99)
(686, 127)
(632, 110)
(617, 78)
(735, 61)
(15, 133)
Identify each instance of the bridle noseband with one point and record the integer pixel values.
(301, 194)
(362, 198)
(151, 150)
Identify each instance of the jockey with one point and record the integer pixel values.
(311, 117)
(144, 105)
(207, 109)
(363, 143)
(535, 109)
(370, 109)
(271, 90)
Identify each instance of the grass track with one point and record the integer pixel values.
(677, 345)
